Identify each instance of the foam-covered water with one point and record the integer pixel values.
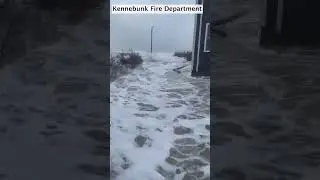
(159, 122)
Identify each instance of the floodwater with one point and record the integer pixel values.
(160, 122)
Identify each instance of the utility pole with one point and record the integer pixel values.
(152, 27)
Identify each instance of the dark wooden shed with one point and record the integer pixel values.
(201, 42)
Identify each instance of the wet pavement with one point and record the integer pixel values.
(266, 124)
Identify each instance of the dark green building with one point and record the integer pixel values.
(201, 41)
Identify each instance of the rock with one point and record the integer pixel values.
(140, 128)
(182, 116)
(141, 115)
(176, 154)
(165, 173)
(207, 127)
(193, 116)
(188, 149)
(140, 140)
(185, 141)
(192, 164)
(161, 116)
(174, 95)
(147, 107)
(175, 106)
(205, 154)
(181, 130)
(178, 171)
(189, 177)
(126, 163)
(171, 160)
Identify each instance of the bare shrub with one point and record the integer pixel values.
(122, 62)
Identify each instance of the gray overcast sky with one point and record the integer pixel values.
(172, 31)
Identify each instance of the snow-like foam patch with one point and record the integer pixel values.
(139, 106)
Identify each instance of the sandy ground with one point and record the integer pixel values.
(266, 106)
(53, 109)
(160, 122)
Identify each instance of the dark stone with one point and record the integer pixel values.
(208, 127)
(171, 161)
(140, 140)
(166, 174)
(140, 128)
(181, 130)
(178, 171)
(193, 175)
(147, 107)
(189, 177)
(141, 115)
(126, 163)
(176, 154)
(182, 116)
(205, 154)
(185, 141)
(191, 164)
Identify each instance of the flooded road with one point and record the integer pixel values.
(160, 122)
